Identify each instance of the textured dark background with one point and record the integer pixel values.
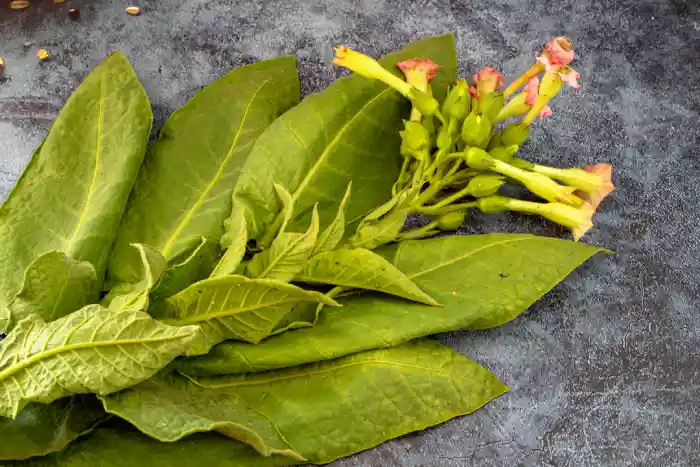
(604, 370)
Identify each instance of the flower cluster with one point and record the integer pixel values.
(459, 152)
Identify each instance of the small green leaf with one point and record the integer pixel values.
(135, 297)
(304, 314)
(41, 429)
(333, 234)
(234, 307)
(480, 280)
(374, 233)
(361, 269)
(286, 256)
(93, 350)
(54, 285)
(234, 241)
(320, 411)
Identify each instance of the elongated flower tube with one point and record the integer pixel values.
(551, 84)
(594, 180)
(522, 102)
(419, 73)
(556, 55)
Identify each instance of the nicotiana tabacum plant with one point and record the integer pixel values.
(459, 152)
(240, 292)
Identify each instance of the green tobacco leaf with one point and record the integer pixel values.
(349, 132)
(234, 307)
(320, 411)
(333, 234)
(234, 241)
(123, 446)
(286, 256)
(194, 267)
(54, 285)
(361, 269)
(304, 314)
(93, 350)
(72, 194)
(41, 429)
(184, 189)
(135, 297)
(481, 281)
(374, 233)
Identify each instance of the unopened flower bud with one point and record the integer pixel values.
(476, 131)
(504, 154)
(485, 185)
(415, 140)
(515, 133)
(490, 104)
(451, 221)
(424, 102)
(478, 159)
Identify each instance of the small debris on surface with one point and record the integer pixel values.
(2, 66)
(19, 4)
(42, 54)
(74, 13)
(59, 1)
(133, 10)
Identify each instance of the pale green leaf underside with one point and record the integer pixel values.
(286, 256)
(348, 132)
(234, 307)
(321, 411)
(234, 241)
(362, 269)
(93, 350)
(135, 297)
(54, 285)
(72, 194)
(184, 189)
(481, 280)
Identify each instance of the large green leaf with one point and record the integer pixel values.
(41, 429)
(234, 307)
(54, 285)
(349, 132)
(481, 280)
(93, 350)
(184, 189)
(320, 411)
(362, 269)
(135, 297)
(122, 446)
(72, 194)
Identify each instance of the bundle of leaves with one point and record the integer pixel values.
(230, 293)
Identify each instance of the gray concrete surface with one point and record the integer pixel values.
(604, 370)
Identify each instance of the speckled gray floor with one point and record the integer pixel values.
(604, 370)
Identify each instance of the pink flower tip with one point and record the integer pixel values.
(532, 90)
(420, 65)
(570, 77)
(558, 52)
(595, 198)
(486, 81)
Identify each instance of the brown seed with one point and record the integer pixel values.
(133, 10)
(42, 54)
(74, 13)
(19, 4)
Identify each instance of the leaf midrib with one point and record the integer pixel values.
(82, 346)
(228, 312)
(217, 176)
(327, 370)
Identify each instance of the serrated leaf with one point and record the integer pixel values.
(135, 297)
(234, 307)
(362, 269)
(348, 132)
(93, 350)
(184, 188)
(333, 234)
(480, 280)
(72, 194)
(54, 285)
(321, 411)
(286, 256)
(41, 429)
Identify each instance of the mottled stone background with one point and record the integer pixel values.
(604, 370)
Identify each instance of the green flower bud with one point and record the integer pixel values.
(490, 104)
(478, 159)
(504, 154)
(424, 102)
(448, 134)
(451, 221)
(458, 100)
(415, 140)
(476, 131)
(516, 133)
(485, 185)
(493, 204)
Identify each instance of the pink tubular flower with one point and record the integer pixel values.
(486, 81)
(557, 53)
(596, 197)
(569, 76)
(419, 65)
(532, 90)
